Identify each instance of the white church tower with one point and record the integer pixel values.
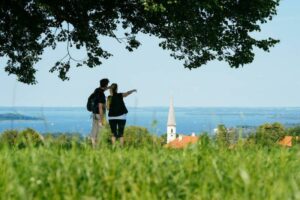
(171, 126)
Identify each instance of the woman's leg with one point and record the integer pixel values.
(122, 141)
(113, 128)
(113, 140)
(121, 127)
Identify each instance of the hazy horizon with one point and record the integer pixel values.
(157, 107)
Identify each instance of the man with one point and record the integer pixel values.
(99, 112)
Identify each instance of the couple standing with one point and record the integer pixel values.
(116, 111)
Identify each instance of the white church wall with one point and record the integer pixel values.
(171, 133)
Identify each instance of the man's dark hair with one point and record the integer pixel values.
(104, 82)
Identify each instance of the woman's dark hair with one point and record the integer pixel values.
(114, 88)
(104, 82)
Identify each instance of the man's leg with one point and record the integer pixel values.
(95, 130)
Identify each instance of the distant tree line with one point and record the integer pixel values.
(139, 137)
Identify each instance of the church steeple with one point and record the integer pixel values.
(171, 125)
(171, 116)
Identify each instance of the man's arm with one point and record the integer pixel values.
(101, 114)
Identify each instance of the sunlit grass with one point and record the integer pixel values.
(202, 171)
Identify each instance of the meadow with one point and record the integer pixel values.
(206, 170)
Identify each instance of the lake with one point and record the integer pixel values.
(188, 119)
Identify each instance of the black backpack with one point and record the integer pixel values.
(91, 105)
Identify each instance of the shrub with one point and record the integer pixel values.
(105, 136)
(29, 138)
(204, 140)
(268, 134)
(163, 138)
(64, 140)
(294, 131)
(136, 136)
(25, 138)
(9, 138)
(225, 136)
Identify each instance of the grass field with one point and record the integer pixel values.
(202, 171)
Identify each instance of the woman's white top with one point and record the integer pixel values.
(122, 117)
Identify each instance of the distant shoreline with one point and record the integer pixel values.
(179, 107)
(201, 119)
(14, 116)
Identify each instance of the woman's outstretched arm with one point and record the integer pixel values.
(129, 92)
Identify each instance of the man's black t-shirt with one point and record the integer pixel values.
(100, 98)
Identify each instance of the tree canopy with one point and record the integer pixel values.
(195, 31)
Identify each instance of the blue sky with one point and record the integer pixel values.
(272, 80)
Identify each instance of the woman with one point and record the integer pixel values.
(117, 112)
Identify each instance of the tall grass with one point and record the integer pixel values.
(202, 171)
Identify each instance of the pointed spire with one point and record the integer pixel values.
(171, 116)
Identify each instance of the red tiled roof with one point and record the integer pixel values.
(287, 141)
(182, 143)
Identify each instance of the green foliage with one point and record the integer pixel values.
(268, 134)
(135, 136)
(194, 31)
(205, 141)
(61, 170)
(225, 137)
(294, 131)
(163, 138)
(201, 171)
(64, 140)
(105, 137)
(29, 138)
(9, 138)
(25, 138)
